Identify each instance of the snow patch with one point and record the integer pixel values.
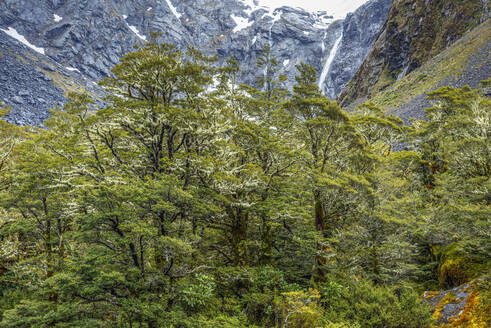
(13, 33)
(254, 39)
(135, 30)
(72, 69)
(275, 14)
(173, 9)
(270, 11)
(241, 23)
(251, 5)
(57, 18)
(149, 9)
(336, 8)
(307, 33)
(286, 62)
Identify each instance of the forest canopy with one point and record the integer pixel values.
(188, 200)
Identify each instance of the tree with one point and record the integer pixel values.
(455, 148)
(330, 143)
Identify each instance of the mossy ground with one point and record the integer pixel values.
(457, 266)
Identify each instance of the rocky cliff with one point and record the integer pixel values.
(83, 39)
(415, 32)
(360, 30)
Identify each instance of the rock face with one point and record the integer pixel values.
(360, 29)
(466, 62)
(86, 38)
(415, 31)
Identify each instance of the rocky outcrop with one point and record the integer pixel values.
(415, 31)
(461, 306)
(87, 37)
(466, 62)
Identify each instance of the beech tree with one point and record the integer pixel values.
(330, 143)
(455, 149)
(190, 200)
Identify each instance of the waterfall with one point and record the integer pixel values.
(328, 63)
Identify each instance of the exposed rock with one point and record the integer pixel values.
(466, 62)
(458, 307)
(415, 32)
(360, 30)
(92, 35)
(17, 100)
(25, 84)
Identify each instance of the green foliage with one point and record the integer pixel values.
(301, 309)
(198, 293)
(458, 265)
(369, 305)
(454, 145)
(190, 201)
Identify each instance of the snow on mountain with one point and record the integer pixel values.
(13, 33)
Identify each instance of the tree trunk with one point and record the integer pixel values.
(320, 271)
(267, 243)
(239, 238)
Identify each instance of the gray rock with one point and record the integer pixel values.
(94, 34)
(453, 308)
(17, 100)
(48, 68)
(26, 88)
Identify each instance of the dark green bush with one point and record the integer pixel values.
(373, 306)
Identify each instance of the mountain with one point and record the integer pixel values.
(466, 62)
(73, 44)
(422, 45)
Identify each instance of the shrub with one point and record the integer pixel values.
(198, 292)
(301, 309)
(373, 306)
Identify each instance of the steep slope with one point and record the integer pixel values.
(31, 83)
(466, 62)
(415, 32)
(91, 36)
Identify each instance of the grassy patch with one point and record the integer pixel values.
(67, 84)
